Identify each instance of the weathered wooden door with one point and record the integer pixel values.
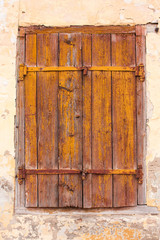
(80, 120)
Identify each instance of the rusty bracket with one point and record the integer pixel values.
(85, 71)
(140, 73)
(21, 174)
(84, 174)
(139, 174)
(22, 72)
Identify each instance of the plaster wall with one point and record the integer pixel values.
(14, 13)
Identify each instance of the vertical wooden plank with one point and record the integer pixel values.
(86, 61)
(101, 122)
(141, 112)
(70, 120)
(30, 123)
(20, 121)
(124, 120)
(47, 119)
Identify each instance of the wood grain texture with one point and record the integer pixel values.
(78, 29)
(87, 141)
(141, 111)
(70, 120)
(30, 123)
(71, 116)
(20, 122)
(47, 118)
(124, 120)
(101, 121)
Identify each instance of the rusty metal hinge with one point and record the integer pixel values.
(140, 73)
(139, 174)
(22, 172)
(21, 175)
(22, 72)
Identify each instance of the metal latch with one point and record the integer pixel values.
(140, 72)
(85, 71)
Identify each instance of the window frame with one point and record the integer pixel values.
(140, 33)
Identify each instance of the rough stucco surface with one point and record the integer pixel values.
(82, 228)
(71, 12)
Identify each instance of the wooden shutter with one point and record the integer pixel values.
(80, 124)
(97, 117)
(47, 119)
(70, 120)
(31, 122)
(124, 119)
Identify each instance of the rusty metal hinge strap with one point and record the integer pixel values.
(84, 68)
(139, 70)
(22, 172)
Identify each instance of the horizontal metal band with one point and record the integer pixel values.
(74, 171)
(113, 171)
(22, 172)
(139, 70)
(51, 171)
(96, 68)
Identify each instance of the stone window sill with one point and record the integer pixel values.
(138, 210)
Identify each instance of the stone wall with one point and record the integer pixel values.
(74, 225)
